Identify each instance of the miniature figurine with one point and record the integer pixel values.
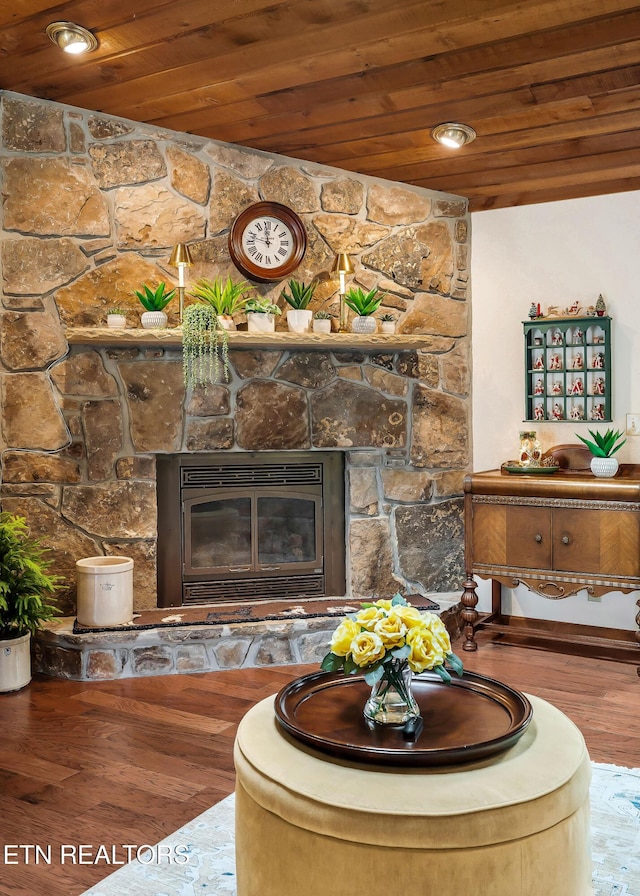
(538, 363)
(598, 338)
(538, 412)
(530, 450)
(576, 388)
(555, 363)
(557, 412)
(573, 309)
(533, 311)
(576, 362)
(578, 337)
(598, 386)
(538, 389)
(556, 338)
(597, 412)
(601, 307)
(597, 362)
(577, 412)
(556, 389)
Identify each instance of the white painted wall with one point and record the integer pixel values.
(553, 253)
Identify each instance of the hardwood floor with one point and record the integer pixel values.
(128, 762)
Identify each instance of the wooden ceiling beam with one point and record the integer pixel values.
(526, 196)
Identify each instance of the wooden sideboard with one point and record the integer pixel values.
(556, 533)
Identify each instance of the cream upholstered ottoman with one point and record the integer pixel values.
(513, 825)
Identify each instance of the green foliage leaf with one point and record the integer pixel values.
(442, 672)
(349, 666)
(300, 294)
(361, 303)
(332, 663)
(374, 674)
(603, 444)
(398, 600)
(401, 653)
(155, 299)
(456, 663)
(225, 297)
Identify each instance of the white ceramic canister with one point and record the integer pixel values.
(105, 591)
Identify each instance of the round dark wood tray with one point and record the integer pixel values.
(470, 719)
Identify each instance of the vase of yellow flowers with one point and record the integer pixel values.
(389, 641)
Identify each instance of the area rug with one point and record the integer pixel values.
(206, 843)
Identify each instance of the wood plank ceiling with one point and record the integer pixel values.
(552, 87)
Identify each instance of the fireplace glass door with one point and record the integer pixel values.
(262, 531)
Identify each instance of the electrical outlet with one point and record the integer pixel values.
(633, 424)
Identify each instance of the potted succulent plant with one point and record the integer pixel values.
(25, 585)
(364, 305)
(603, 447)
(298, 315)
(116, 318)
(388, 323)
(261, 315)
(322, 322)
(226, 298)
(154, 301)
(205, 345)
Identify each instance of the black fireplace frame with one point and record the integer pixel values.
(178, 476)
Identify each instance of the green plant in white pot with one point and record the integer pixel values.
(299, 314)
(261, 315)
(364, 305)
(154, 301)
(226, 297)
(25, 586)
(603, 447)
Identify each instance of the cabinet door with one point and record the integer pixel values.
(605, 542)
(504, 535)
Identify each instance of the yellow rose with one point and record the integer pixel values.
(425, 650)
(384, 604)
(409, 615)
(439, 632)
(343, 636)
(368, 617)
(391, 629)
(367, 648)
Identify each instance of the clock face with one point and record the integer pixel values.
(267, 241)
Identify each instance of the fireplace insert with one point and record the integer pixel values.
(250, 526)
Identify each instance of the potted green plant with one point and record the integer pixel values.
(299, 296)
(205, 345)
(322, 322)
(25, 585)
(364, 305)
(261, 315)
(388, 323)
(154, 301)
(603, 447)
(227, 298)
(116, 319)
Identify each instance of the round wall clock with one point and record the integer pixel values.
(267, 241)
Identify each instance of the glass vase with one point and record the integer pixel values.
(391, 701)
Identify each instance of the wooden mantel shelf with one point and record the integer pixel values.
(242, 340)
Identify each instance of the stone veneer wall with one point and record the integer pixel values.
(91, 208)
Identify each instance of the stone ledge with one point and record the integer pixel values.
(98, 656)
(103, 336)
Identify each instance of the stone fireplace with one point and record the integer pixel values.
(91, 208)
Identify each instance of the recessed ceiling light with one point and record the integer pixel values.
(453, 135)
(71, 38)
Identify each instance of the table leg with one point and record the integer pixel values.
(469, 614)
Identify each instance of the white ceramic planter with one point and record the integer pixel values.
(388, 327)
(299, 320)
(227, 322)
(322, 326)
(154, 320)
(260, 323)
(15, 663)
(116, 321)
(604, 467)
(105, 591)
(366, 325)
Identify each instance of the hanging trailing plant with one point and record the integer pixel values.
(205, 346)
